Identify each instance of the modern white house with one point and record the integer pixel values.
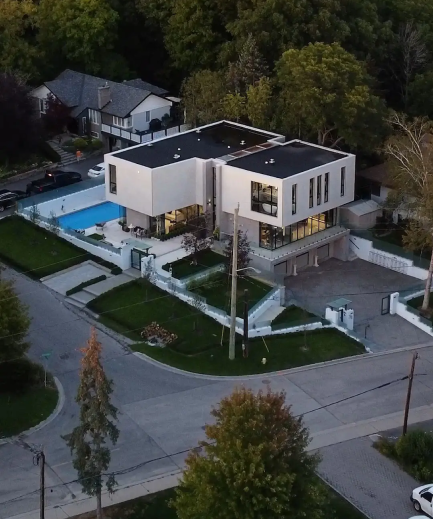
(288, 193)
(119, 114)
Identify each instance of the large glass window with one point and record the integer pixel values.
(272, 237)
(319, 189)
(343, 180)
(326, 186)
(264, 198)
(311, 197)
(113, 179)
(294, 189)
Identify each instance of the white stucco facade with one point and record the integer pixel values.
(153, 107)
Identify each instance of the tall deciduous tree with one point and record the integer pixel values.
(19, 127)
(88, 441)
(17, 44)
(56, 115)
(325, 91)
(80, 32)
(259, 104)
(234, 107)
(255, 464)
(410, 153)
(244, 251)
(14, 323)
(202, 97)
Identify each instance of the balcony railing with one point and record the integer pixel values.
(143, 137)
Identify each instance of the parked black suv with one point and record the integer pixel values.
(9, 198)
(53, 180)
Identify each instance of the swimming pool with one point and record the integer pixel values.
(85, 218)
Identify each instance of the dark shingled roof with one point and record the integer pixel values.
(80, 91)
(144, 85)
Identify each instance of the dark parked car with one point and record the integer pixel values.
(9, 198)
(53, 180)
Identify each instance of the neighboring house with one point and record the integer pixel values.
(289, 194)
(120, 114)
(373, 184)
(360, 214)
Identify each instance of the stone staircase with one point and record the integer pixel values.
(66, 158)
(82, 298)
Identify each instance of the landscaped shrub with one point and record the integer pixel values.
(20, 375)
(85, 284)
(416, 448)
(177, 232)
(116, 271)
(96, 144)
(195, 284)
(80, 143)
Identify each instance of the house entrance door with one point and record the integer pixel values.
(136, 257)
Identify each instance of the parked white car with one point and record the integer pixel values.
(422, 499)
(97, 171)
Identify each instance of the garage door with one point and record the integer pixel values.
(281, 268)
(323, 252)
(302, 260)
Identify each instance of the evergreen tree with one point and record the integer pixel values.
(88, 440)
(244, 251)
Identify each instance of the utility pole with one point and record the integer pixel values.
(40, 460)
(409, 391)
(245, 341)
(232, 342)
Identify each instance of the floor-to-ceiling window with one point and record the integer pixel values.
(272, 237)
(264, 198)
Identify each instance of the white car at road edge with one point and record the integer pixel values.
(422, 499)
(97, 171)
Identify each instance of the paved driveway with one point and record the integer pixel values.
(365, 284)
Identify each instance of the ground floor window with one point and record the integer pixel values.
(272, 237)
(174, 220)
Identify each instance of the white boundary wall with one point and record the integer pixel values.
(398, 306)
(73, 202)
(363, 249)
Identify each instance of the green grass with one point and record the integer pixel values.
(36, 251)
(130, 307)
(218, 292)
(205, 259)
(21, 412)
(155, 506)
(292, 315)
(96, 236)
(285, 351)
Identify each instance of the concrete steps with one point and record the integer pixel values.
(66, 158)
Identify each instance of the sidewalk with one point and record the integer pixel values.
(321, 439)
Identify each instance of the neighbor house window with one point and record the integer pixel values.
(294, 187)
(42, 105)
(94, 116)
(311, 197)
(113, 179)
(326, 186)
(264, 198)
(123, 123)
(343, 180)
(147, 116)
(319, 189)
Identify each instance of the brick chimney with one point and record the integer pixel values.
(104, 96)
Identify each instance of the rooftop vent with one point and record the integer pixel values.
(228, 147)
(243, 143)
(198, 139)
(271, 161)
(176, 156)
(178, 149)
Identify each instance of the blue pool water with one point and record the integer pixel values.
(88, 217)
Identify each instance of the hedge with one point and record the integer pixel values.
(85, 284)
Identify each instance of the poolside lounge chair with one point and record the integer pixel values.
(100, 225)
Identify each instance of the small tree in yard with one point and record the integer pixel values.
(56, 115)
(14, 323)
(410, 154)
(53, 223)
(255, 465)
(244, 251)
(88, 440)
(34, 214)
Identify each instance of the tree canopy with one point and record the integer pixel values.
(254, 464)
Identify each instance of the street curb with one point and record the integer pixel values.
(290, 371)
(44, 423)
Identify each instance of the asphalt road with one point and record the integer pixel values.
(80, 167)
(161, 413)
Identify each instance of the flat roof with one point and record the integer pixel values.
(288, 159)
(210, 142)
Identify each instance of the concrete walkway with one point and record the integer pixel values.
(338, 436)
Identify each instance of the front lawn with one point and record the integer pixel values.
(183, 268)
(130, 307)
(156, 506)
(217, 291)
(292, 316)
(280, 351)
(36, 251)
(20, 412)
